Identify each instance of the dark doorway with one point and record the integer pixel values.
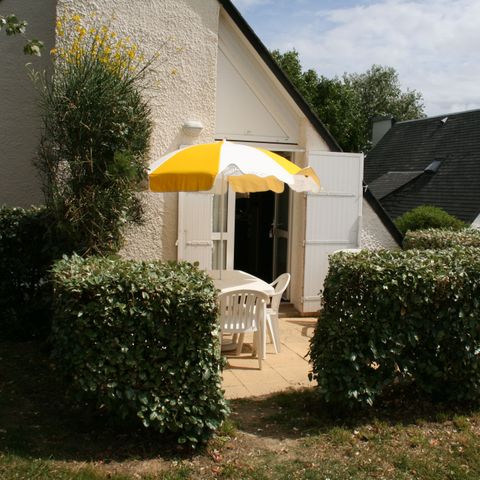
(254, 215)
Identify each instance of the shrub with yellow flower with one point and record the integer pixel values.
(80, 39)
(96, 136)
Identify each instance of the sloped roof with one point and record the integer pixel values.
(391, 181)
(411, 146)
(265, 55)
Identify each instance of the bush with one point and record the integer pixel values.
(406, 316)
(140, 340)
(427, 216)
(96, 135)
(27, 250)
(438, 239)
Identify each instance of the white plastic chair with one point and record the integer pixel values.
(244, 311)
(280, 284)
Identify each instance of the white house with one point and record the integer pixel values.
(217, 76)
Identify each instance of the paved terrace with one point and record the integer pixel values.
(285, 370)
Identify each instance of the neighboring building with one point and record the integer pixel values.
(431, 161)
(215, 80)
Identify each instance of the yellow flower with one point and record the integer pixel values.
(53, 51)
(76, 18)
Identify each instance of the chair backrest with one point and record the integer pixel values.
(241, 310)
(280, 284)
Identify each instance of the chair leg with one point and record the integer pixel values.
(260, 353)
(240, 339)
(273, 328)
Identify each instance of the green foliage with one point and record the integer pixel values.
(27, 250)
(438, 239)
(409, 316)
(13, 26)
(140, 340)
(427, 216)
(347, 105)
(96, 136)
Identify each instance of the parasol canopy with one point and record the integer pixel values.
(209, 166)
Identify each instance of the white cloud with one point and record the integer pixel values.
(243, 4)
(433, 45)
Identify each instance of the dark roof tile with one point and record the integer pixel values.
(391, 181)
(411, 146)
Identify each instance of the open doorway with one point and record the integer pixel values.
(262, 233)
(253, 238)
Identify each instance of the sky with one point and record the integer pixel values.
(434, 45)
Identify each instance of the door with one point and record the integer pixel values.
(195, 223)
(280, 233)
(333, 217)
(223, 230)
(200, 217)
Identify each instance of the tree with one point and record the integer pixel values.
(347, 105)
(379, 93)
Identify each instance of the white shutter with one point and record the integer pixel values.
(195, 228)
(333, 217)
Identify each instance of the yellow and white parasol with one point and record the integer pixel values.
(209, 166)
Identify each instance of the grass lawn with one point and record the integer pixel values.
(286, 436)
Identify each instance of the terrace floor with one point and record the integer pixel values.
(285, 370)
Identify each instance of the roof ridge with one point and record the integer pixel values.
(443, 115)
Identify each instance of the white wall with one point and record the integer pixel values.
(181, 87)
(20, 123)
(476, 222)
(374, 234)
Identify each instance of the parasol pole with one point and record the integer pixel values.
(222, 208)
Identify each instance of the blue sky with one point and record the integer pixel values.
(433, 44)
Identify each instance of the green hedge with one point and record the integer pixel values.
(140, 340)
(439, 239)
(27, 250)
(412, 316)
(428, 216)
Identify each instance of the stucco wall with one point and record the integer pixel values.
(20, 123)
(374, 235)
(181, 87)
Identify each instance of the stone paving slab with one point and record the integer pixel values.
(285, 370)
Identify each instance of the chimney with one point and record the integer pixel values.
(380, 126)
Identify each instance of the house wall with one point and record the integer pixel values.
(374, 234)
(20, 122)
(178, 90)
(181, 87)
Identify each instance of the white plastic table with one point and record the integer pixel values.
(234, 279)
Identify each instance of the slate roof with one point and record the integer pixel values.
(391, 181)
(410, 147)
(265, 55)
